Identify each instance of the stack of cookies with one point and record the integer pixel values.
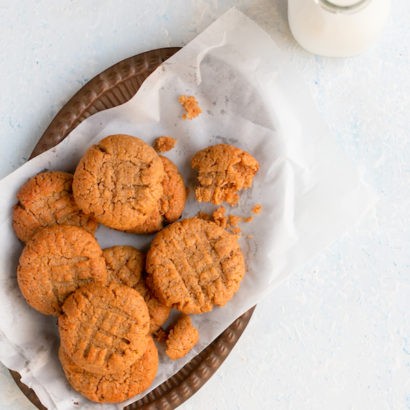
(110, 303)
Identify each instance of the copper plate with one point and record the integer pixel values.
(113, 87)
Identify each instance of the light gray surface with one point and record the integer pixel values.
(335, 335)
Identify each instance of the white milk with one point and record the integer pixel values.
(337, 28)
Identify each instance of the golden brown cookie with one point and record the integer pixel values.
(158, 312)
(195, 264)
(190, 105)
(119, 181)
(172, 202)
(164, 143)
(182, 338)
(104, 328)
(223, 171)
(55, 262)
(47, 199)
(113, 387)
(125, 265)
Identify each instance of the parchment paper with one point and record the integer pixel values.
(250, 97)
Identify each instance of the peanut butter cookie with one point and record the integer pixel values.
(223, 171)
(195, 264)
(113, 387)
(55, 262)
(104, 328)
(119, 182)
(47, 199)
(172, 202)
(158, 312)
(182, 338)
(125, 265)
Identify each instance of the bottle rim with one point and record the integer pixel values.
(335, 8)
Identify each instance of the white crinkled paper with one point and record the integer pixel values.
(250, 97)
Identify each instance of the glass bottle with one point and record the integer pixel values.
(337, 28)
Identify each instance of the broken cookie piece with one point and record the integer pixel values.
(223, 171)
(164, 143)
(190, 105)
(182, 338)
(219, 217)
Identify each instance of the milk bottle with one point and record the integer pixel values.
(337, 28)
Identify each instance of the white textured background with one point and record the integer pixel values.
(337, 334)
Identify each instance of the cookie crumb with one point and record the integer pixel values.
(204, 216)
(248, 219)
(160, 335)
(182, 338)
(164, 143)
(190, 105)
(257, 208)
(228, 222)
(249, 236)
(234, 220)
(219, 217)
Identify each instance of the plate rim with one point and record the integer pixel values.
(188, 380)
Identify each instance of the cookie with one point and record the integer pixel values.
(113, 387)
(194, 264)
(119, 182)
(190, 105)
(45, 200)
(125, 265)
(164, 143)
(104, 328)
(171, 204)
(55, 262)
(158, 312)
(182, 338)
(223, 171)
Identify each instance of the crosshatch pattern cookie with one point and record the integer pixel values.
(172, 202)
(104, 328)
(113, 387)
(55, 262)
(119, 181)
(223, 171)
(195, 264)
(125, 266)
(182, 338)
(47, 199)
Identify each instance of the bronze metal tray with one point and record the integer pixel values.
(113, 87)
